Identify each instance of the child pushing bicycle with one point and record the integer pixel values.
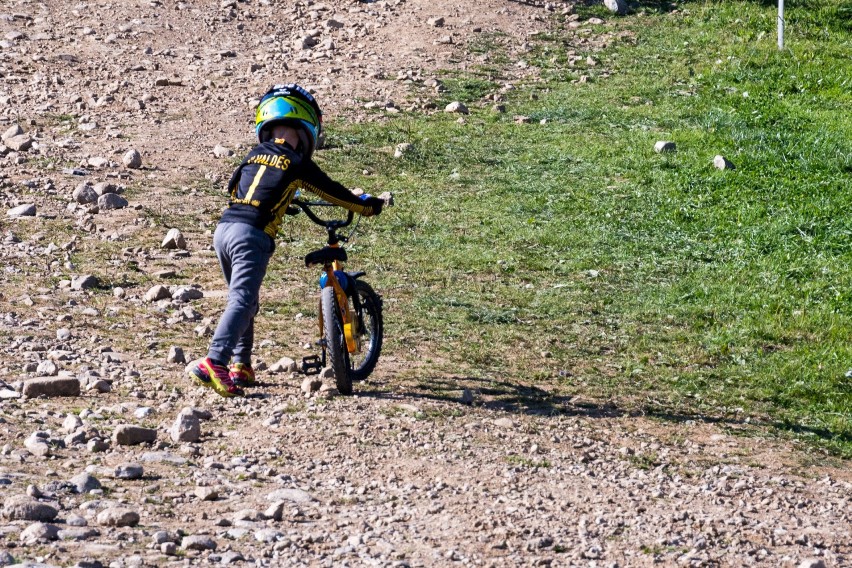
(288, 123)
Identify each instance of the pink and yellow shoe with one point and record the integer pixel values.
(241, 374)
(215, 376)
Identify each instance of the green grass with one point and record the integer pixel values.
(651, 280)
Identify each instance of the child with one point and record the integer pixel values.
(288, 123)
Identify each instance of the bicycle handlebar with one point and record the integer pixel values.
(330, 225)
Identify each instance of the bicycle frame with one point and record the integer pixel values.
(349, 323)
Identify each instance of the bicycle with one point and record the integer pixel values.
(350, 311)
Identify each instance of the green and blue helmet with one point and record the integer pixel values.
(290, 105)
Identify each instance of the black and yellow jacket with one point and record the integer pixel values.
(263, 186)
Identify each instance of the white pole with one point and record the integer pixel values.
(780, 24)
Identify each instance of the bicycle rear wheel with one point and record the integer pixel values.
(335, 342)
(367, 306)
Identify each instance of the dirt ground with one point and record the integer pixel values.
(398, 475)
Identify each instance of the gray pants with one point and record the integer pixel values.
(244, 252)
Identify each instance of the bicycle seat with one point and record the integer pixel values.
(325, 255)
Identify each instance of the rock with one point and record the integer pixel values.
(96, 445)
(186, 428)
(78, 533)
(84, 282)
(222, 152)
(186, 293)
(162, 457)
(435, 22)
(467, 397)
(129, 471)
(268, 535)
(198, 542)
(37, 445)
(812, 563)
(71, 423)
(505, 423)
(85, 482)
(456, 107)
(275, 511)
(207, 494)
(158, 292)
(616, 6)
(402, 149)
(26, 210)
(97, 162)
(47, 368)
(118, 517)
(76, 521)
(132, 159)
(129, 435)
(722, 163)
(283, 365)
(51, 387)
(174, 240)
(104, 187)
(311, 384)
(39, 532)
(11, 132)
(664, 146)
(231, 557)
(19, 143)
(291, 494)
(22, 508)
(84, 194)
(109, 201)
(176, 355)
(328, 391)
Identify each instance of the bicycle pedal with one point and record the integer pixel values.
(311, 365)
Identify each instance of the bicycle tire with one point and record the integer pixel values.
(335, 342)
(367, 307)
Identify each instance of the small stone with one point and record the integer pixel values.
(283, 365)
(129, 471)
(132, 159)
(158, 292)
(456, 107)
(109, 201)
(97, 445)
(84, 194)
(84, 282)
(47, 368)
(26, 210)
(402, 149)
(198, 542)
(328, 391)
(435, 22)
(12, 131)
(39, 532)
(168, 548)
(128, 435)
(20, 143)
(722, 163)
(664, 146)
(186, 428)
(22, 508)
(311, 385)
(176, 355)
(174, 240)
(812, 563)
(467, 397)
(104, 187)
(616, 6)
(71, 423)
(207, 494)
(222, 152)
(85, 482)
(118, 517)
(51, 387)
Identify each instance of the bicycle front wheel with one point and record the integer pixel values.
(367, 306)
(335, 341)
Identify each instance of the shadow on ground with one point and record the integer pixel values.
(515, 398)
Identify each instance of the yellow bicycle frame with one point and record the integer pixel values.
(349, 323)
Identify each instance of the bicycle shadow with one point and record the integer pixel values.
(514, 398)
